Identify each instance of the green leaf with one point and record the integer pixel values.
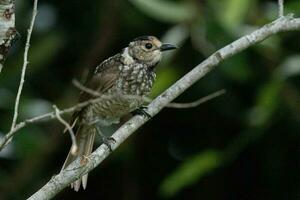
(190, 171)
(167, 11)
(237, 68)
(167, 76)
(267, 103)
(232, 13)
(45, 50)
(290, 67)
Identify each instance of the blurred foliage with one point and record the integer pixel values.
(243, 145)
(167, 11)
(190, 172)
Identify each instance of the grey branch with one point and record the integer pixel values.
(280, 8)
(75, 170)
(51, 115)
(74, 147)
(198, 102)
(7, 28)
(24, 67)
(193, 104)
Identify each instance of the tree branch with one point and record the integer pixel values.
(197, 102)
(74, 147)
(75, 170)
(51, 115)
(7, 28)
(280, 8)
(24, 67)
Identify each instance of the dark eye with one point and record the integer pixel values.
(148, 45)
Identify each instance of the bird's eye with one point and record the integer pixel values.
(148, 45)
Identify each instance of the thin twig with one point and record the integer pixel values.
(51, 115)
(280, 8)
(81, 87)
(74, 147)
(65, 177)
(198, 102)
(24, 67)
(193, 104)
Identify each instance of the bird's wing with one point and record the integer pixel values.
(104, 78)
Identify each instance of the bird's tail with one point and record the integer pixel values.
(85, 140)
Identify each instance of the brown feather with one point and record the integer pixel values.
(104, 78)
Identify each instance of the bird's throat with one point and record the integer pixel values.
(128, 60)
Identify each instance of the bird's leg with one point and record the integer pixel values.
(106, 140)
(142, 111)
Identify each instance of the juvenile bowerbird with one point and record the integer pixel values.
(123, 80)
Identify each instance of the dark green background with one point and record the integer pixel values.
(242, 145)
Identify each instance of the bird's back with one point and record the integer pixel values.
(123, 85)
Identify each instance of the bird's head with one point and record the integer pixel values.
(148, 49)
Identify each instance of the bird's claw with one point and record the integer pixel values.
(142, 111)
(108, 141)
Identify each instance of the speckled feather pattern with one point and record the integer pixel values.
(124, 79)
(133, 79)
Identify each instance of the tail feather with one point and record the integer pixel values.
(85, 140)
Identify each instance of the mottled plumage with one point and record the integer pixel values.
(124, 79)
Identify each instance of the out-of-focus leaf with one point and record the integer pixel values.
(29, 141)
(35, 107)
(190, 171)
(233, 13)
(290, 67)
(6, 98)
(267, 103)
(292, 7)
(237, 68)
(167, 76)
(199, 38)
(167, 11)
(271, 45)
(47, 17)
(44, 50)
(177, 36)
(271, 10)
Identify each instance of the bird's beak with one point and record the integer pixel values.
(166, 47)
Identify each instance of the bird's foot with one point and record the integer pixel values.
(108, 141)
(142, 111)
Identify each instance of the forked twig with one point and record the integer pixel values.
(74, 147)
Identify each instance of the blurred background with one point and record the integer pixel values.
(242, 145)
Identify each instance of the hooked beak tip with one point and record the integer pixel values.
(166, 47)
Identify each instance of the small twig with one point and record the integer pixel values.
(95, 93)
(280, 8)
(198, 102)
(81, 87)
(24, 67)
(193, 104)
(74, 147)
(51, 115)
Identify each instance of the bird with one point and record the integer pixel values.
(124, 79)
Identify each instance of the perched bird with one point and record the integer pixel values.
(124, 79)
